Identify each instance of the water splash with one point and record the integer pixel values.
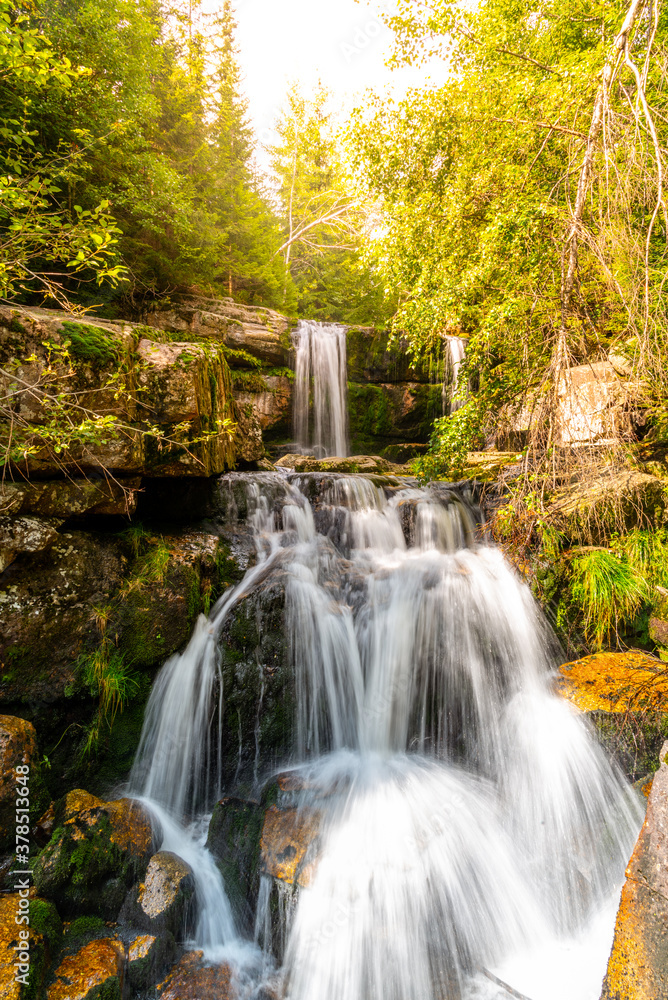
(468, 815)
(320, 411)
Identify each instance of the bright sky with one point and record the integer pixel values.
(343, 43)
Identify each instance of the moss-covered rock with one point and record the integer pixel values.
(18, 748)
(381, 414)
(234, 840)
(589, 512)
(93, 973)
(161, 903)
(93, 858)
(373, 357)
(194, 979)
(148, 958)
(31, 922)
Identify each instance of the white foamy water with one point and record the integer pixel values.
(470, 823)
(320, 411)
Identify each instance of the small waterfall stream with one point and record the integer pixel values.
(469, 824)
(319, 403)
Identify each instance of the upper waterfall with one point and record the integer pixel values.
(320, 398)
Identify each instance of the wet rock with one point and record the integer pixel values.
(191, 979)
(234, 841)
(390, 412)
(25, 534)
(162, 901)
(638, 965)
(147, 959)
(289, 844)
(42, 934)
(257, 680)
(373, 358)
(94, 973)
(94, 857)
(372, 464)
(18, 747)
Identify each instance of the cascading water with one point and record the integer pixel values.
(456, 352)
(470, 826)
(319, 402)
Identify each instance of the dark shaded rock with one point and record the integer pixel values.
(382, 414)
(96, 853)
(234, 840)
(191, 979)
(148, 958)
(18, 748)
(638, 965)
(43, 935)
(25, 534)
(93, 973)
(162, 902)
(372, 358)
(64, 498)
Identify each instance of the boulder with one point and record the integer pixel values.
(161, 903)
(18, 748)
(356, 464)
(272, 406)
(234, 841)
(25, 534)
(96, 853)
(93, 973)
(42, 935)
(192, 979)
(147, 959)
(593, 405)
(289, 844)
(638, 965)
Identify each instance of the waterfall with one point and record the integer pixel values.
(469, 821)
(319, 401)
(456, 352)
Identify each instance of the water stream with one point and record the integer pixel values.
(469, 824)
(320, 413)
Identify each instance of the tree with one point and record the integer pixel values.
(324, 218)
(37, 232)
(523, 201)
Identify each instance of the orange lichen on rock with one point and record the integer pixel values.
(616, 682)
(97, 967)
(288, 843)
(638, 965)
(190, 979)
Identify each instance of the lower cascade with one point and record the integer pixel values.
(470, 835)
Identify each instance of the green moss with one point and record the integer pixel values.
(44, 920)
(248, 381)
(91, 344)
(241, 359)
(280, 373)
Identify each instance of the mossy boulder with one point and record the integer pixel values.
(95, 972)
(148, 958)
(162, 902)
(18, 748)
(381, 414)
(96, 853)
(41, 929)
(234, 840)
(192, 978)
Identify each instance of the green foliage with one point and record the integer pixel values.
(451, 441)
(476, 180)
(607, 590)
(241, 359)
